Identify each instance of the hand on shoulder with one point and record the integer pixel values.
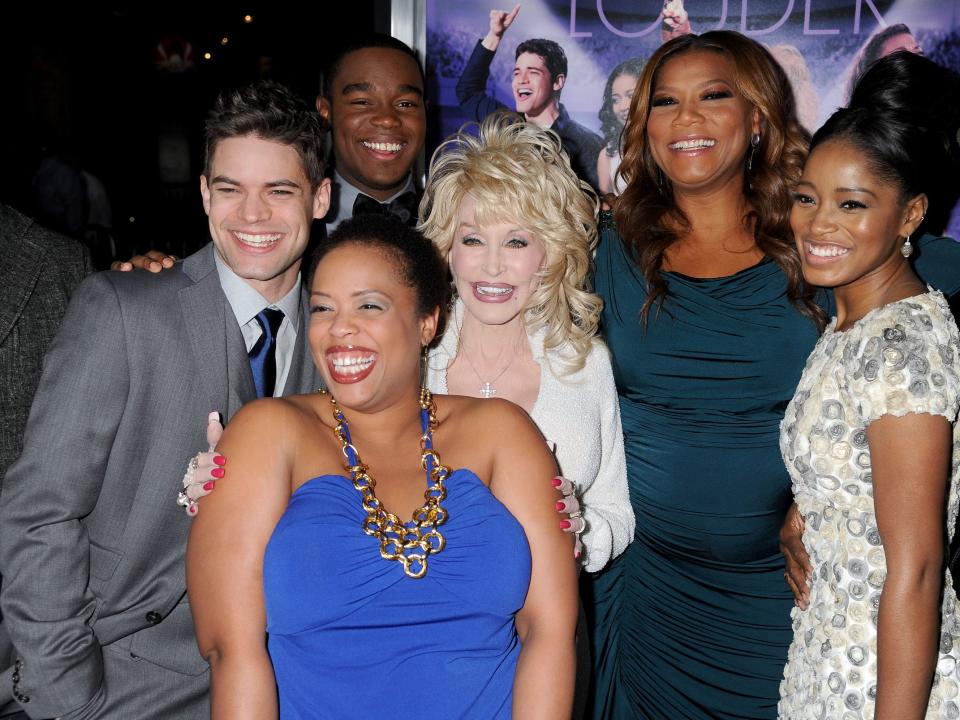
(262, 439)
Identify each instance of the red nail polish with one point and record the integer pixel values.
(560, 506)
(219, 460)
(209, 485)
(556, 482)
(217, 472)
(192, 510)
(564, 524)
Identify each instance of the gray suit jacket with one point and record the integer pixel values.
(91, 541)
(40, 270)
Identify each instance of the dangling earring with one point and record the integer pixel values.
(754, 143)
(424, 356)
(907, 248)
(661, 183)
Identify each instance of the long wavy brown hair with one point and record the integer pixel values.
(646, 213)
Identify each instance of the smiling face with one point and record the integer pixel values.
(848, 223)
(533, 89)
(699, 125)
(259, 206)
(494, 266)
(621, 95)
(378, 118)
(365, 333)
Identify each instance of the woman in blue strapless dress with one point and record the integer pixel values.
(466, 611)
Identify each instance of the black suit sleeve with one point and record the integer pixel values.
(471, 88)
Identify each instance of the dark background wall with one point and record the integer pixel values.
(89, 88)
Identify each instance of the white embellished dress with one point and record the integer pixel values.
(898, 359)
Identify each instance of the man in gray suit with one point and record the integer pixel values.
(40, 270)
(91, 543)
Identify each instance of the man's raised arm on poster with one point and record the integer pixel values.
(539, 75)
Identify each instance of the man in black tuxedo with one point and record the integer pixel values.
(373, 100)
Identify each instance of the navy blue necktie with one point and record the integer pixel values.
(263, 354)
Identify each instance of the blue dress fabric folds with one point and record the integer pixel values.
(351, 636)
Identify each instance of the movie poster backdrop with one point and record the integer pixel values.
(818, 42)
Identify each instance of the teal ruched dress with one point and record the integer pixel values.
(693, 620)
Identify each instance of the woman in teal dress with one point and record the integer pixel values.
(709, 325)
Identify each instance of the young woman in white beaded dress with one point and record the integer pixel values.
(870, 438)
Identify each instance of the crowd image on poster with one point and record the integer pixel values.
(569, 64)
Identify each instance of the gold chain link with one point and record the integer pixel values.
(409, 544)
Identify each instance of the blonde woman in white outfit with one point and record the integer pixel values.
(518, 228)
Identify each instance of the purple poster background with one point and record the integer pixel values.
(817, 41)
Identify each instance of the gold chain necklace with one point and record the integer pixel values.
(409, 544)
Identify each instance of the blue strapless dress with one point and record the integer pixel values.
(351, 636)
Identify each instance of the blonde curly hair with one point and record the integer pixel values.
(516, 171)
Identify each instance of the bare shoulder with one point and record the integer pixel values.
(488, 419)
(270, 419)
(496, 439)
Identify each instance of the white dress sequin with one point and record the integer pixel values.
(898, 359)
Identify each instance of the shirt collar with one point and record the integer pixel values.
(247, 303)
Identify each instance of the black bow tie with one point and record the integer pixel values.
(404, 207)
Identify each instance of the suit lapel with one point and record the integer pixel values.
(240, 386)
(215, 338)
(23, 261)
(303, 376)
